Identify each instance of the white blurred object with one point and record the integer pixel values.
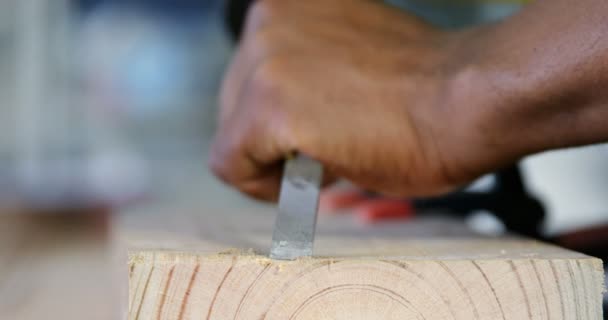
(119, 175)
(485, 223)
(572, 184)
(484, 184)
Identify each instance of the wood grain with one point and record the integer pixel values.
(426, 279)
(209, 261)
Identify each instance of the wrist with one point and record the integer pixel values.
(486, 108)
(521, 89)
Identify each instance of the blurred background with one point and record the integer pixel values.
(106, 100)
(114, 102)
(111, 104)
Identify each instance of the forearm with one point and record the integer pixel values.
(538, 80)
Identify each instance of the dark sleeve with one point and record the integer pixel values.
(235, 13)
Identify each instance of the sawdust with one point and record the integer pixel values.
(235, 254)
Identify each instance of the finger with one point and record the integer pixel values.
(231, 85)
(252, 142)
(267, 187)
(227, 159)
(231, 161)
(248, 55)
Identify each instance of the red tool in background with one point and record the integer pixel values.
(368, 207)
(507, 199)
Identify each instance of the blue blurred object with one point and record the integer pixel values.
(178, 8)
(458, 14)
(151, 73)
(163, 58)
(106, 101)
(155, 73)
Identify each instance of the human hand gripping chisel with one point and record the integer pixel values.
(294, 229)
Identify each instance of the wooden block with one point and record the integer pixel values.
(367, 278)
(181, 267)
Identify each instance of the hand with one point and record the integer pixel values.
(401, 108)
(357, 85)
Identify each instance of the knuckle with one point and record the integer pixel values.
(270, 96)
(268, 79)
(217, 165)
(258, 189)
(251, 189)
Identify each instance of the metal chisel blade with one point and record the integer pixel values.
(294, 229)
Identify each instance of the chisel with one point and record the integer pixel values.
(294, 229)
